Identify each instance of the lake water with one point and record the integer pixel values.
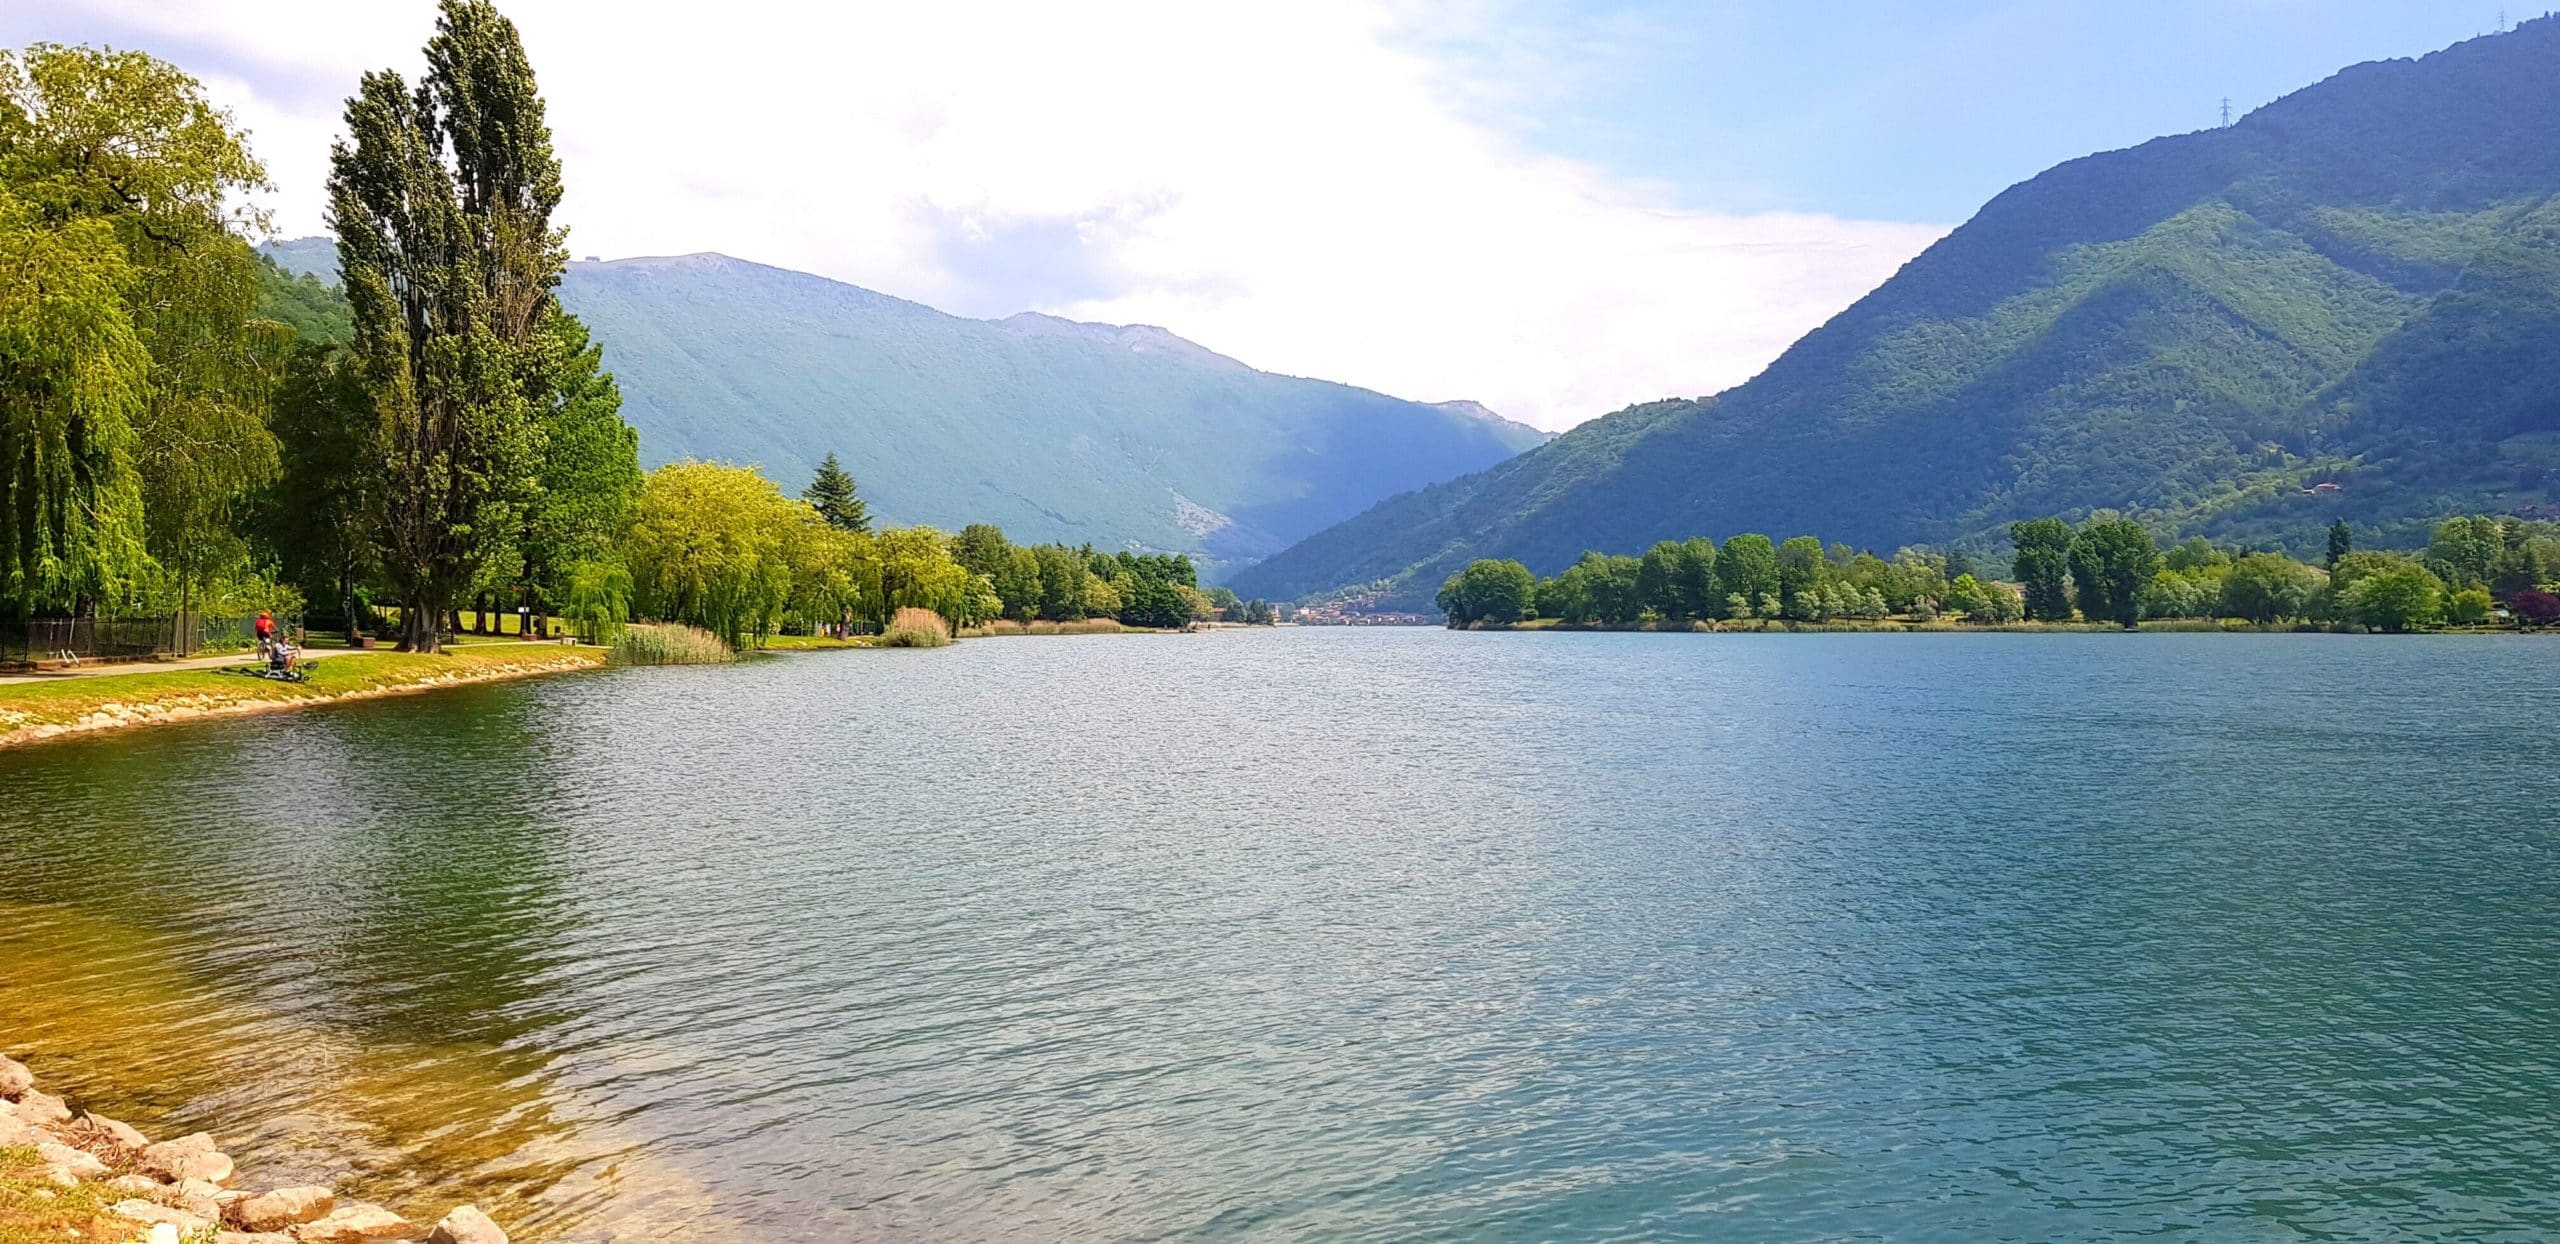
(1371, 935)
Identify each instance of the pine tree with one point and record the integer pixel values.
(2341, 542)
(831, 491)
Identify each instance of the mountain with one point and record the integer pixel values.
(2357, 285)
(1124, 436)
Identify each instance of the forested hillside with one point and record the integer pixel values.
(1056, 430)
(2345, 304)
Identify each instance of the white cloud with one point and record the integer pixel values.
(1288, 183)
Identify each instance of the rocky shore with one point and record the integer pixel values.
(186, 1189)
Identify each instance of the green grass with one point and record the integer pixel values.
(34, 1210)
(33, 709)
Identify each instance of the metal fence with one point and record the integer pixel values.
(71, 640)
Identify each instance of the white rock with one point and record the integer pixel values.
(281, 1208)
(80, 1162)
(355, 1223)
(42, 1109)
(466, 1225)
(187, 1157)
(153, 1212)
(124, 1133)
(163, 1233)
(15, 1079)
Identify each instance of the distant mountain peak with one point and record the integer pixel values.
(1135, 338)
(1486, 414)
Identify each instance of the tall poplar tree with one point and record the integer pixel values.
(441, 198)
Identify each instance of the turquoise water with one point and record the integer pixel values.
(1368, 935)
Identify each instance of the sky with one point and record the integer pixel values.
(1556, 209)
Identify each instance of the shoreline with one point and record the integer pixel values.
(1893, 626)
(34, 712)
(80, 1175)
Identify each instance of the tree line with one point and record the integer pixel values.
(2108, 569)
(182, 428)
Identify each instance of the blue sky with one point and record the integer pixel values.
(1556, 209)
(1915, 111)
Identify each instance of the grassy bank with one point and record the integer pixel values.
(816, 643)
(35, 1210)
(2195, 626)
(36, 710)
(1006, 626)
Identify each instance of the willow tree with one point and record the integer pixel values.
(441, 198)
(72, 379)
(125, 151)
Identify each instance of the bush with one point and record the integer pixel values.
(669, 643)
(916, 628)
(2469, 607)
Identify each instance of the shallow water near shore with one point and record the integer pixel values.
(1347, 935)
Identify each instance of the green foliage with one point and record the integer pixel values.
(587, 475)
(710, 547)
(2465, 551)
(1155, 590)
(2342, 541)
(132, 372)
(317, 515)
(2267, 587)
(1489, 591)
(2405, 597)
(599, 600)
(1747, 566)
(2358, 287)
(313, 310)
(73, 374)
(442, 200)
(2044, 558)
(1799, 577)
(2111, 561)
(2469, 607)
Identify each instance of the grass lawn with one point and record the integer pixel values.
(36, 709)
(35, 1211)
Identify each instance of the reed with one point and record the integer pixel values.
(916, 628)
(669, 643)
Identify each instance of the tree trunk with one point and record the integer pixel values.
(418, 627)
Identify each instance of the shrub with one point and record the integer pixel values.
(669, 643)
(2469, 607)
(916, 628)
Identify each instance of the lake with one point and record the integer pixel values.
(1348, 935)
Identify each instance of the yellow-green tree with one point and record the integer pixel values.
(711, 545)
(114, 152)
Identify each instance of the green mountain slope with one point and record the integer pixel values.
(2353, 285)
(1057, 430)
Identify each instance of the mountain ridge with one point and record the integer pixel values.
(1124, 436)
(2187, 329)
